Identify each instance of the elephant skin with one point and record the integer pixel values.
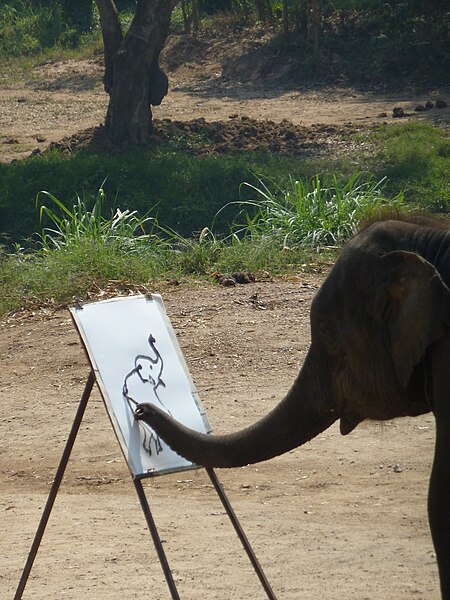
(380, 349)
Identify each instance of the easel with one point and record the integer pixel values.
(137, 480)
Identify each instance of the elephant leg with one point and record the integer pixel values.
(439, 505)
(439, 491)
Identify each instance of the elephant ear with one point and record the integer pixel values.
(413, 304)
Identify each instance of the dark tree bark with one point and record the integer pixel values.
(285, 18)
(269, 10)
(195, 16)
(133, 78)
(260, 10)
(246, 11)
(186, 20)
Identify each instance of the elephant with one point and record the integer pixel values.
(380, 349)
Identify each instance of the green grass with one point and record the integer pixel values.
(185, 192)
(124, 231)
(80, 248)
(182, 190)
(163, 213)
(415, 158)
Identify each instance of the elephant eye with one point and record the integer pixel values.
(328, 334)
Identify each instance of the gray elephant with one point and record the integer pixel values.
(380, 348)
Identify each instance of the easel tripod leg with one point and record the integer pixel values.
(55, 486)
(156, 539)
(240, 532)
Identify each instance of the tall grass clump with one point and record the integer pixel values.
(82, 249)
(313, 213)
(82, 246)
(81, 226)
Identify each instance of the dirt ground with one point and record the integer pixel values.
(209, 81)
(342, 517)
(339, 518)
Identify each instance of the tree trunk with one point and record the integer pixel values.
(195, 17)
(285, 18)
(269, 10)
(112, 38)
(186, 21)
(314, 25)
(246, 11)
(133, 78)
(260, 6)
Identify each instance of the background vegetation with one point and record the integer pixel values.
(185, 192)
(364, 40)
(163, 213)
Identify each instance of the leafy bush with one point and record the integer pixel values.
(27, 29)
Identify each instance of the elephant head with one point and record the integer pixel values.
(373, 324)
(150, 368)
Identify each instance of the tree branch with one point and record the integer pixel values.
(148, 17)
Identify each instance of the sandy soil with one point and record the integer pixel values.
(338, 518)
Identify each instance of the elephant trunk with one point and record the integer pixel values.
(298, 418)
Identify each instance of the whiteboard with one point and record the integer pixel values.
(136, 358)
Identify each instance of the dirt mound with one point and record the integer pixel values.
(247, 134)
(182, 49)
(238, 134)
(239, 56)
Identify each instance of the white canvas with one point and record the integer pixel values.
(136, 358)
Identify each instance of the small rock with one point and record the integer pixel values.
(441, 104)
(429, 105)
(243, 277)
(397, 468)
(420, 108)
(227, 281)
(398, 112)
(381, 115)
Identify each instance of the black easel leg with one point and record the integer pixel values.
(156, 539)
(241, 535)
(55, 486)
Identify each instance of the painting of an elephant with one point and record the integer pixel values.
(380, 349)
